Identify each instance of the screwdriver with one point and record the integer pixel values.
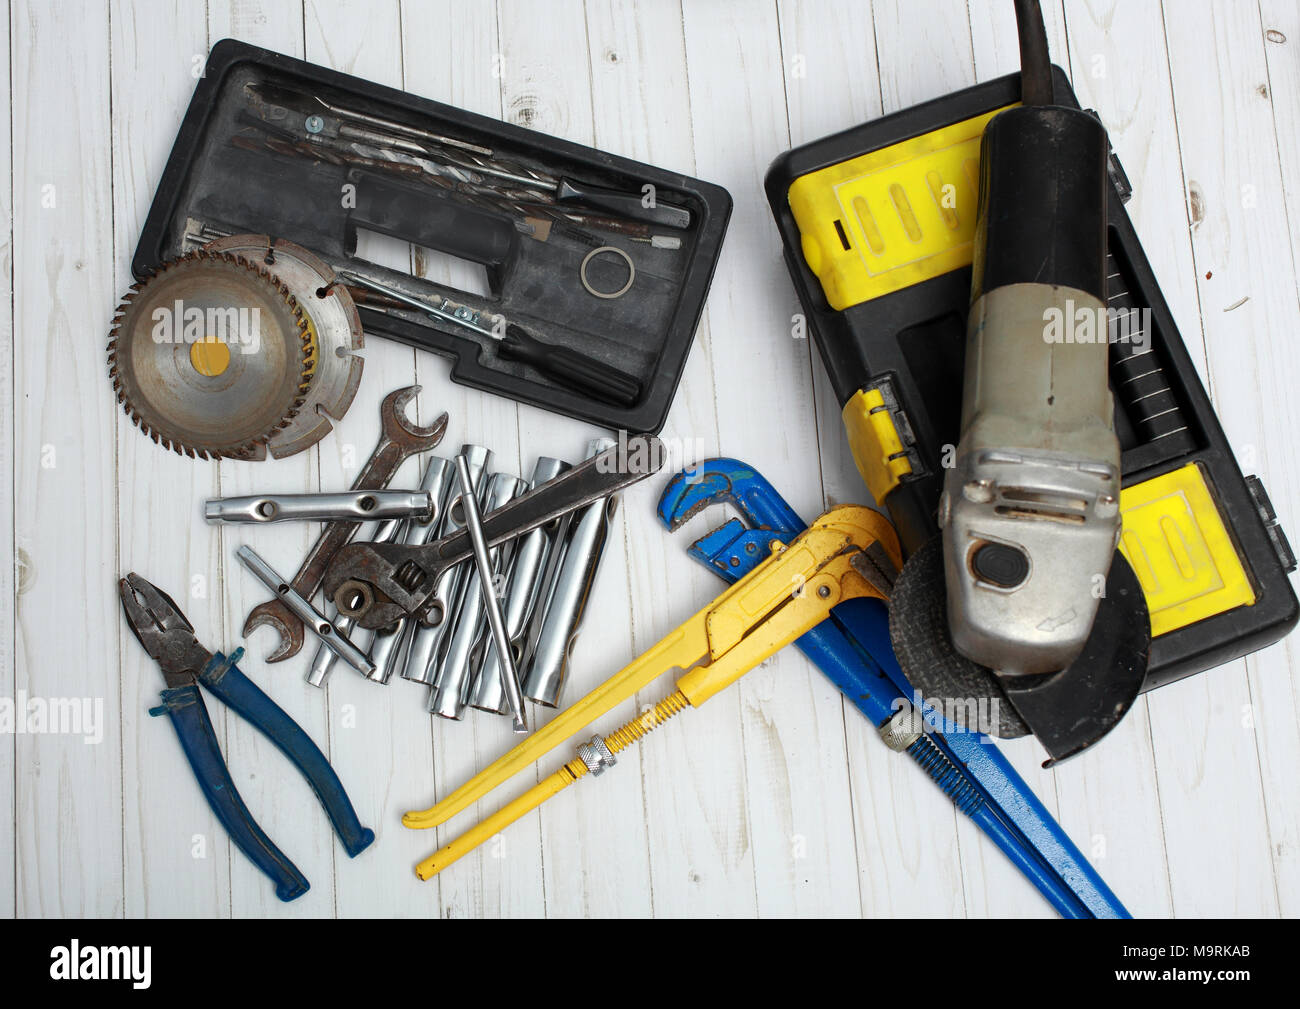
(565, 366)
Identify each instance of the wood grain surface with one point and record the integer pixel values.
(776, 799)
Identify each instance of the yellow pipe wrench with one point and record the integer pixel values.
(848, 552)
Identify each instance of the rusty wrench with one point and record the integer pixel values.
(399, 439)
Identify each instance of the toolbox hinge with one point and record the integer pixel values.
(1115, 171)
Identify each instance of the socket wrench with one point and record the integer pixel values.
(549, 661)
(428, 633)
(454, 680)
(351, 506)
(523, 588)
(439, 479)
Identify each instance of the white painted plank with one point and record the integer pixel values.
(792, 754)
(276, 793)
(907, 857)
(8, 747)
(463, 78)
(506, 877)
(272, 24)
(1273, 690)
(279, 798)
(177, 854)
(995, 43)
(1119, 773)
(638, 96)
(1242, 250)
(1110, 798)
(69, 794)
(924, 49)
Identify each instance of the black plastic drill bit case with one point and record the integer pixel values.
(916, 337)
(247, 187)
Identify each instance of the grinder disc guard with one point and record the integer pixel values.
(1068, 711)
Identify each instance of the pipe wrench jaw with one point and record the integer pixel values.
(728, 546)
(791, 591)
(690, 492)
(718, 481)
(769, 521)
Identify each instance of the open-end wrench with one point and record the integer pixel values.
(853, 649)
(399, 439)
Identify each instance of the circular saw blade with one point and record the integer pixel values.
(335, 328)
(211, 355)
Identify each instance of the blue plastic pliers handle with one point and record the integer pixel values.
(853, 649)
(169, 639)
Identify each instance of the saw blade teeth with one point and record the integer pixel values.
(121, 368)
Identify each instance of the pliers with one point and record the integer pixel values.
(853, 649)
(165, 633)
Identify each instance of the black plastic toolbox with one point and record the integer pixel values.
(1213, 560)
(230, 172)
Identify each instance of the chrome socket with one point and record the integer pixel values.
(454, 680)
(427, 638)
(522, 590)
(549, 658)
(378, 644)
(388, 648)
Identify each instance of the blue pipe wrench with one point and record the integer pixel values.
(853, 649)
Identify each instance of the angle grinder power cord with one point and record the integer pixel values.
(1030, 510)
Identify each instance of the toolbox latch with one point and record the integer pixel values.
(880, 438)
(1271, 524)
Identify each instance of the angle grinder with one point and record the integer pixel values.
(1023, 600)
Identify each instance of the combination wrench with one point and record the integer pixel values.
(399, 439)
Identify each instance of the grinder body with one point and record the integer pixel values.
(1030, 509)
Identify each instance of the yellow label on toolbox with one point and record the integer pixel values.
(1177, 543)
(893, 217)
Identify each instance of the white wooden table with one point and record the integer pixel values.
(774, 799)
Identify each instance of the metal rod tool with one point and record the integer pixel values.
(398, 440)
(322, 663)
(385, 644)
(562, 364)
(524, 591)
(349, 505)
(305, 611)
(473, 522)
(378, 583)
(429, 632)
(459, 659)
(387, 651)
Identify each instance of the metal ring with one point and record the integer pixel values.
(586, 260)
